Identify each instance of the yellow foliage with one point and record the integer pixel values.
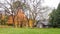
(31, 23)
(3, 17)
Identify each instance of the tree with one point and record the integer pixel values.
(55, 17)
(3, 19)
(33, 6)
(35, 9)
(12, 7)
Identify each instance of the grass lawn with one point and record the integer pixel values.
(29, 31)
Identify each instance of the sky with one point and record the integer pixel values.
(51, 3)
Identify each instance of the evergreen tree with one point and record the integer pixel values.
(55, 17)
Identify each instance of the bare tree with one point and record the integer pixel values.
(11, 7)
(36, 9)
(33, 6)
